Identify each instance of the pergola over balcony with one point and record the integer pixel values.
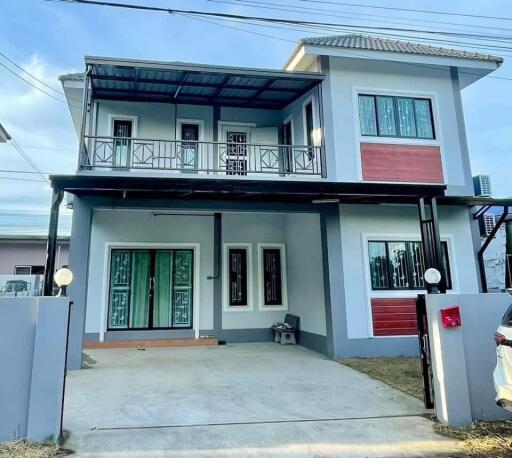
(181, 83)
(194, 84)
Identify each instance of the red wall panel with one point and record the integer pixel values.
(401, 163)
(394, 316)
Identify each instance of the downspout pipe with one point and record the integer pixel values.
(481, 251)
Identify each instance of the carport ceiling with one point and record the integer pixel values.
(122, 79)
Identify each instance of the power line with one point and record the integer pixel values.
(27, 158)
(320, 12)
(318, 30)
(410, 10)
(22, 179)
(35, 86)
(35, 77)
(351, 54)
(20, 171)
(277, 20)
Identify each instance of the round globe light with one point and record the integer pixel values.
(63, 277)
(432, 276)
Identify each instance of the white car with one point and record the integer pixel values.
(503, 371)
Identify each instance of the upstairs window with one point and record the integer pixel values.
(400, 265)
(402, 117)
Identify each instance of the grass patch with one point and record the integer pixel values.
(492, 439)
(402, 373)
(27, 449)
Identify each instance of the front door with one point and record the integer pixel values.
(122, 132)
(151, 289)
(236, 149)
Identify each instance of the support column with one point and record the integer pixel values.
(217, 274)
(429, 227)
(51, 247)
(334, 293)
(79, 265)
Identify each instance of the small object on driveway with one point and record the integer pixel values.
(503, 371)
(285, 333)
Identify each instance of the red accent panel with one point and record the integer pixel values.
(394, 316)
(401, 163)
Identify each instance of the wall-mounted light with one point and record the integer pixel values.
(433, 277)
(63, 277)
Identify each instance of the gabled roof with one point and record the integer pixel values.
(367, 42)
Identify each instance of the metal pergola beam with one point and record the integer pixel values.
(208, 85)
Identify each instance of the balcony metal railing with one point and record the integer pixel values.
(127, 153)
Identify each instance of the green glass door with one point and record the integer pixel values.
(151, 289)
(182, 289)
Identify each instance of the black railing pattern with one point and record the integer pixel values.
(126, 153)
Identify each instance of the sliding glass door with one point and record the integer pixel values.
(151, 289)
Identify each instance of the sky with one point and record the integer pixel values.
(50, 38)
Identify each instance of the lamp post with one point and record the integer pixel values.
(63, 277)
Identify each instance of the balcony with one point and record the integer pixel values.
(220, 158)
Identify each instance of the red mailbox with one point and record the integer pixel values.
(450, 317)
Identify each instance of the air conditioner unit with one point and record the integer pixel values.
(482, 185)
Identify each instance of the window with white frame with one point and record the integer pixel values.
(237, 277)
(400, 265)
(272, 276)
(392, 116)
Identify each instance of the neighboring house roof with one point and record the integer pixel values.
(72, 77)
(18, 225)
(367, 42)
(4, 136)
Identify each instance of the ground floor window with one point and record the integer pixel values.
(272, 277)
(151, 289)
(237, 276)
(400, 265)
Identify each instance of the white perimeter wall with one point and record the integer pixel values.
(299, 232)
(395, 222)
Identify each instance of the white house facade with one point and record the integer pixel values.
(212, 201)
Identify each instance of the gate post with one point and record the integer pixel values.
(424, 344)
(432, 251)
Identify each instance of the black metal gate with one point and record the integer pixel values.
(426, 361)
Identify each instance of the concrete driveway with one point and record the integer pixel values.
(244, 400)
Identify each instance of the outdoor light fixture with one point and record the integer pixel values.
(433, 277)
(63, 277)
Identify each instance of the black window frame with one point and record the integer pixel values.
(446, 256)
(396, 117)
(268, 305)
(246, 294)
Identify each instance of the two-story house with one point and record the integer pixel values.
(213, 200)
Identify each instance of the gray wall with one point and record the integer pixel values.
(32, 353)
(464, 357)
(347, 77)
(28, 253)
(138, 228)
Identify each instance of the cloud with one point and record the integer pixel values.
(42, 126)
